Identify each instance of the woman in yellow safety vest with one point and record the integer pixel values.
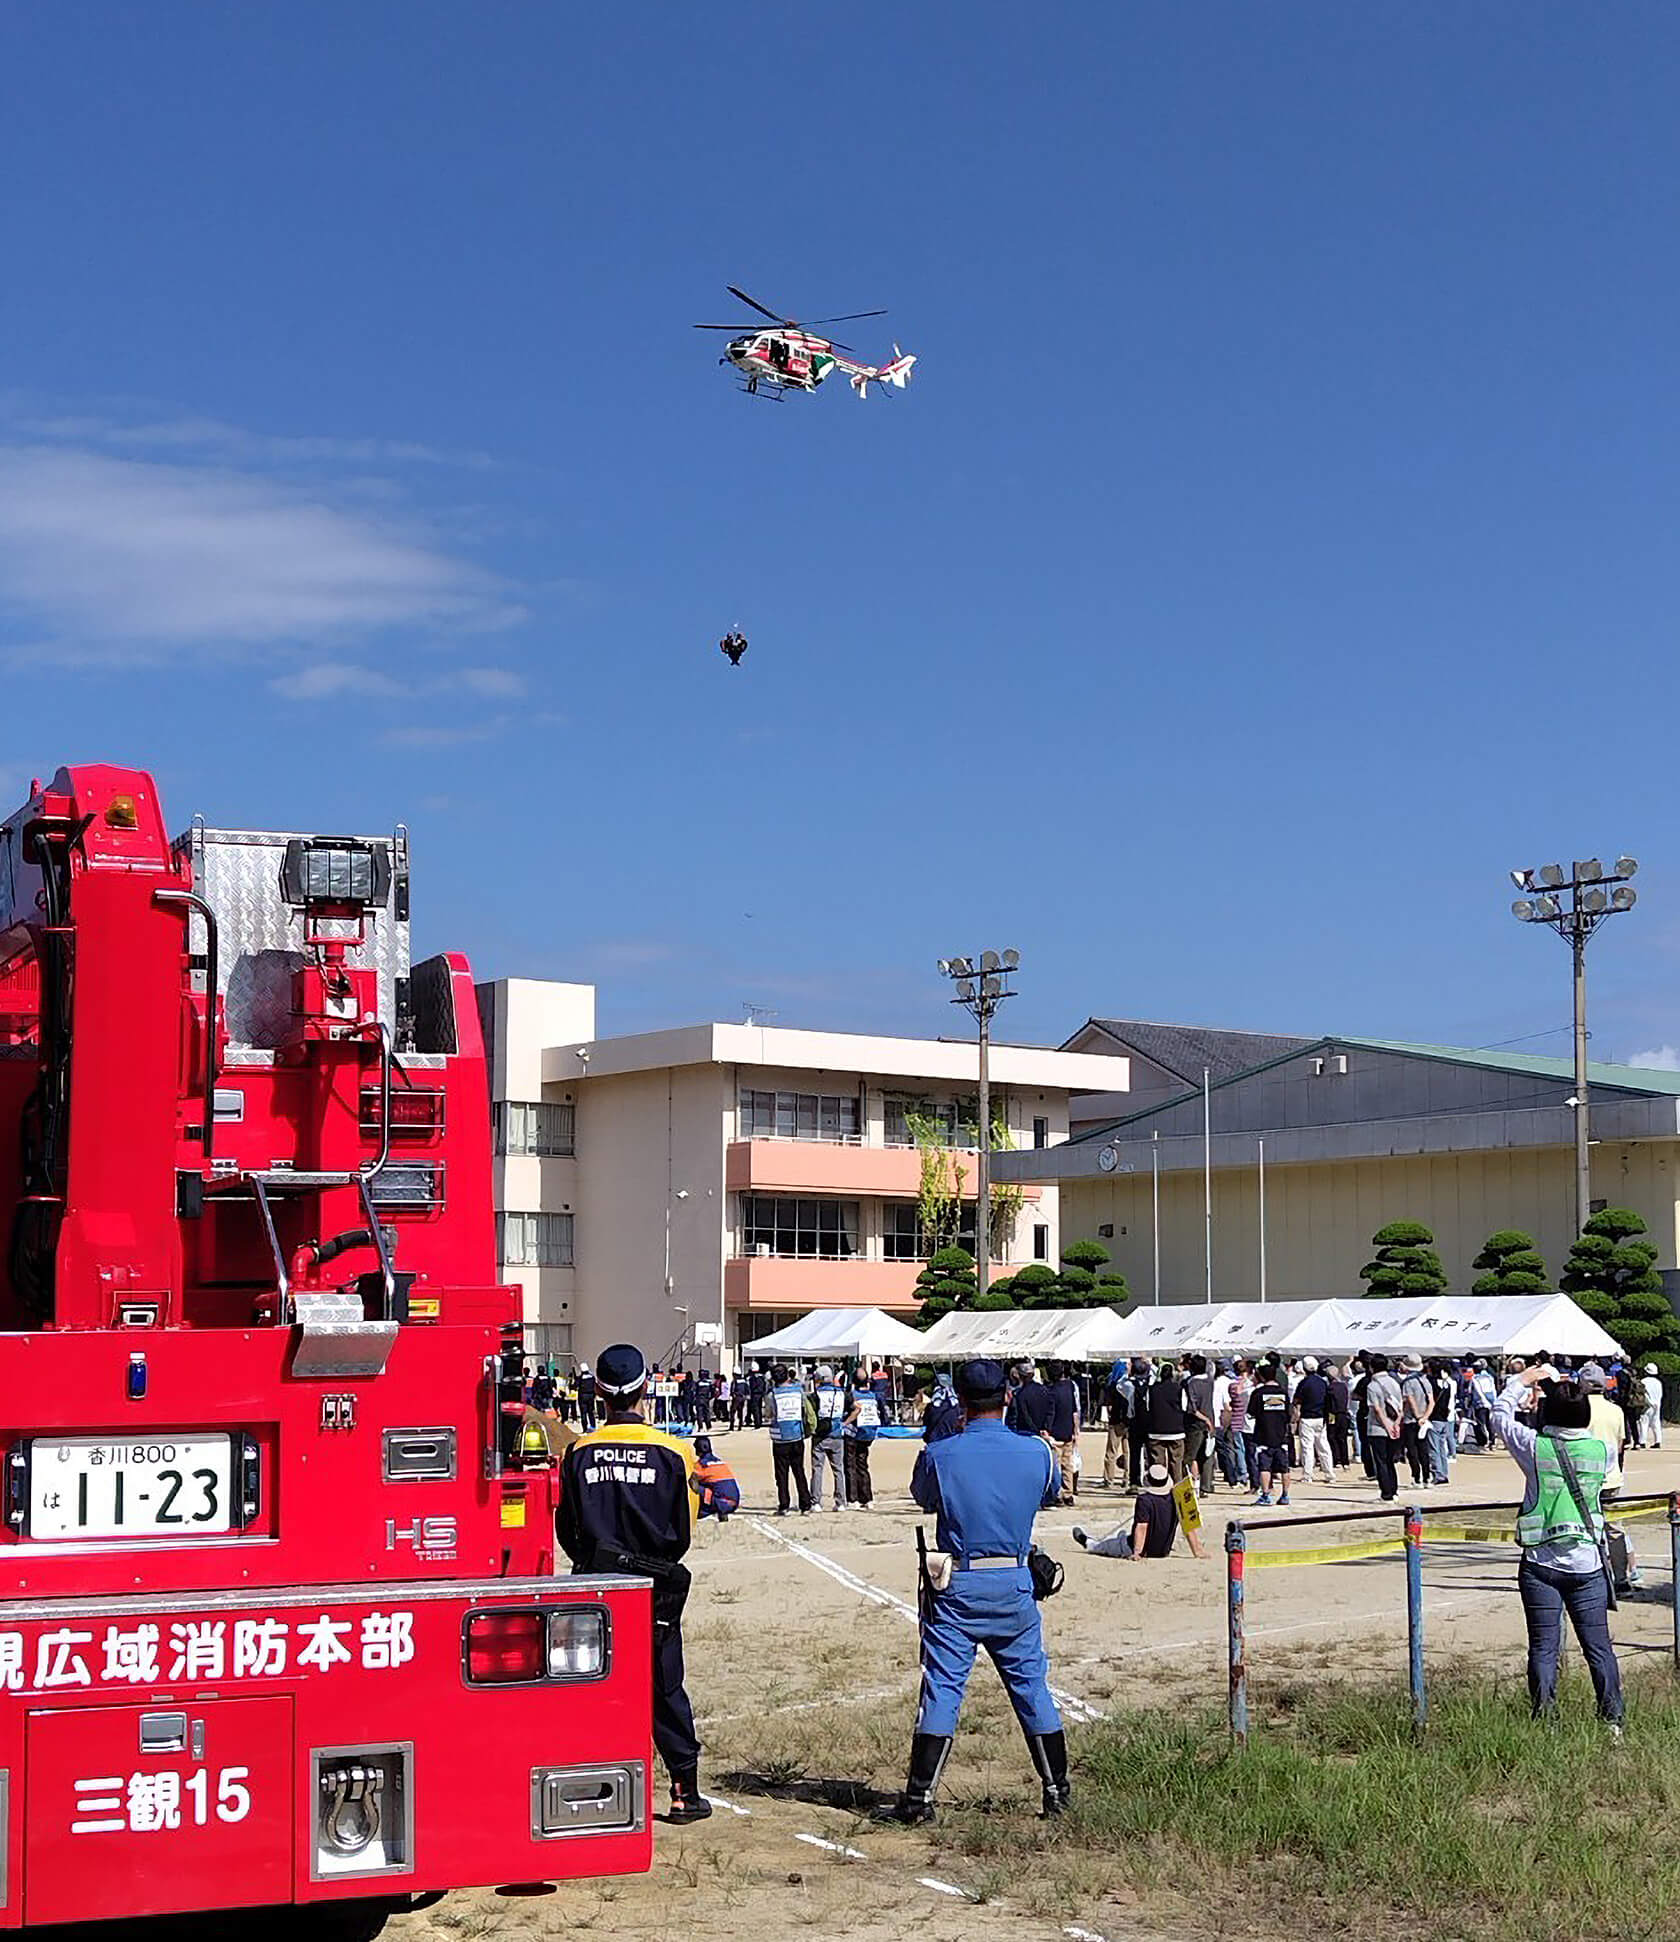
(1565, 1567)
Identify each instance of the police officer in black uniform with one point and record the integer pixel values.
(625, 1501)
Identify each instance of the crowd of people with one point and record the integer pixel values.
(999, 1445)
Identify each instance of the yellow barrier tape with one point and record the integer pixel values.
(1329, 1554)
(1432, 1533)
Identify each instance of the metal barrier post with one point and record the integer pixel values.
(1414, 1616)
(1674, 1555)
(1236, 1546)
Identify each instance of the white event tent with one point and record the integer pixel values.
(1454, 1325)
(1009, 1334)
(829, 1333)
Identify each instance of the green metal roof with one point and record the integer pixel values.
(1630, 1078)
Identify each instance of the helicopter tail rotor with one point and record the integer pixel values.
(897, 374)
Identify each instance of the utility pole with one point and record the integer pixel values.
(1262, 1223)
(1155, 1156)
(1574, 906)
(980, 986)
(1207, 1181)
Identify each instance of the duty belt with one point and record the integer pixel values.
(989, 1564)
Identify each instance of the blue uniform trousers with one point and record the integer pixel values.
(994, 1610)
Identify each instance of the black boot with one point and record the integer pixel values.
(687, 1801)
(1049, 1758)
(914, 1807)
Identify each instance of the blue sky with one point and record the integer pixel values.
(1275, 545)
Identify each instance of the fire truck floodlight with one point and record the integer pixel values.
(336, 870)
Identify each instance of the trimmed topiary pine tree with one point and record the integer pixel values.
(947, 1282)
(1511, 1265)
(1613, 1275)
(1405, 1262)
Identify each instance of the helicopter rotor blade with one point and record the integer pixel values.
(738, 330)
(753, 303)
(850, 317)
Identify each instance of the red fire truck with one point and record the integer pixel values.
(278, 1620)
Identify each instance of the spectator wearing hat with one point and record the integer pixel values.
(1650, 1417)
(984, 1487)
(1154, 1526)
(625, 1509)
(586, 1396)
(1417, 1398)
(1268, 1411)
(828, 1444)
(1311, 1408)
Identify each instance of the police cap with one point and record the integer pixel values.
(621, 1370)
(981, 1381)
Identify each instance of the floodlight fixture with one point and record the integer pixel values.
(944, 967)
(1012, 960)
(1574, 906)
(965, 989)
(990, 961)
(992, 987)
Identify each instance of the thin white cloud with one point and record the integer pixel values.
(1661, 1058)
(444, 735)
(101, 550)
(189, 432)
(323, 679)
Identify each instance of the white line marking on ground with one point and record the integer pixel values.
(1084, 1935)
(945, 1888)
(729, 1806)
(1070, 1702)
(834, 1847)
(866, 1698)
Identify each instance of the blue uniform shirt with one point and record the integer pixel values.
(985, 1487)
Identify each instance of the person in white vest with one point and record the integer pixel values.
(828, 1445)
(863, 1425)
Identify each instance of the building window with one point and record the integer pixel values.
(956, 1122)
(903, 1238)
(1041, 1242)
(824, 1229)
(531, 1127)
(534, 1240)
(1041, 1132)
(831, 1116)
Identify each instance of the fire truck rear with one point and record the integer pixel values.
(278, 1624)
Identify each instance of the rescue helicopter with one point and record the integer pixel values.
(793, 357)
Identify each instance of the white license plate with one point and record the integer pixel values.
(94, 1486)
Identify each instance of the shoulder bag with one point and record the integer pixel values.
(1571, 1477)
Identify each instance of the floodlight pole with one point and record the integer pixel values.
(1155, 1212)
(986, 992)
(1207, 1181)
(1575, 906)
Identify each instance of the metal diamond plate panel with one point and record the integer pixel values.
(237, 871)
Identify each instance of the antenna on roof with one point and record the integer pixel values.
(757, 1014)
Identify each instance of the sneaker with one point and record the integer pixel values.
(1081, 1538)
(688, 1804)
(1614, 1729)
(782, 1513)
(1284, 1499)
(1264, 1497)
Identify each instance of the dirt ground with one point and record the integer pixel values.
(802, 1665)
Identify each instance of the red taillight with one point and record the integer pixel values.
(416, 1111)
(504, 1648)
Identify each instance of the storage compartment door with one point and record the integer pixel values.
(152, 1810)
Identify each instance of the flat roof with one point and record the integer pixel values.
(863, 1053)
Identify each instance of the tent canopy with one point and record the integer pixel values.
(831, 1332)
(1062, 1334)
(1461, 1325)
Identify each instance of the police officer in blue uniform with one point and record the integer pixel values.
(984, 1487)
